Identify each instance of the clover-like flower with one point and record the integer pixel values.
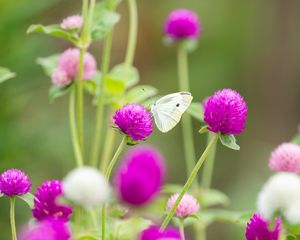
(182, 24)
(14, 182)
(187, 206)
(135, 121)
(258, 229)
(72, 22)
(60, 78)
(226, 112)
(45, 202)
(285, 158)
(140, 176)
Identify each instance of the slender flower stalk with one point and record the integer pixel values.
(181, 229)
(74, 135)
(209, 164)
(107, 152)
(12, 218)
(107, 175)
(190, 180)
(187, 130)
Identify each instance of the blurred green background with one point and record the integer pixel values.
(252, 46)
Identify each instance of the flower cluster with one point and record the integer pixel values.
(153, 233)
(140, 176)
(135, 121)
(14, 182)
(45, 202)
(187, 206)
(72, 22)
(67, 69)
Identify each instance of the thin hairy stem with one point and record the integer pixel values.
(12, 218)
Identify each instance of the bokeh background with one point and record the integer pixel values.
(252, 46)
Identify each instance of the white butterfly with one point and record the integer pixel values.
(167, 111)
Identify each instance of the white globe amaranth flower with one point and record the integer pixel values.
(281, 193)
(86, 186)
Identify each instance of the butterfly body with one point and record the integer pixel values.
(167, 111)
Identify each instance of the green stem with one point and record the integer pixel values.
(107, 151)
(209, 164)
(190, 180)
(181, 229)
(133, 28)
(94, 218)
(100, 102)
(12, 218)
(187, 130)
(76, 146)
(107, 175)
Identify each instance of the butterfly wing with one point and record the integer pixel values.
(167, 111)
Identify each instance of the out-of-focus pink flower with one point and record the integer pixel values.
(72, 22)
(187, 206)
(60, 78)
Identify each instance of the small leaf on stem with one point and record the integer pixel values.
(228, 140)
(5, 74)
(28, 198)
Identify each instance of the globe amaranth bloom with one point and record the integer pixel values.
(135, 121)
(140, 175)
(69, 61)
(48, 229)
(153, 233)
(14, 182)
(45, 202)
(281, 193)
(187, 206)
(285, 158)
(60, 78)
(258, 229)
(182, 24)
(72, 22)
(225, 112)
(86, 186)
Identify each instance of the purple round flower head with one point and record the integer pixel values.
(69, 60)
(285, 158)
(48, 229)
(153, 233)
(226, 112)
(140, 176)
(182, 24)
(45, 202)
(14, 182)
(135, 121)
(258, 229)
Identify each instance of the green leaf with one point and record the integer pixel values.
(140, 94)
(129, 75)
(190, 44)
(104, 20)
(56, 91)
(55, 31)
(5, 74)
(204, 129)
(213, 197)
(113, 86)
(28, 198)
(291, 237)
(296, 139)
(196, 111)
(128, 229)
(90, 86)
(49, 64)
(229, 141)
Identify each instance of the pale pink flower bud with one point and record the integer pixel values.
(72, 22)
(60, 78)
(187, 206)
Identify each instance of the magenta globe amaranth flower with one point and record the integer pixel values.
(69, 61)
(153, 233)
(45, 202)
(48, 229)
(135, 121)
(187, 206)
(226, 112)
(258, 229)
(285, 158)
(14, 182)
(72, 22)
(140, 176)
(182, 24)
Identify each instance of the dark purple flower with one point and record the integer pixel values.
(14, 182)
(48, 229)
(258, 229)
(135, 121)
(182, 24)
(153, 233)
(140, 176)
(45, 202)
(226, 112)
